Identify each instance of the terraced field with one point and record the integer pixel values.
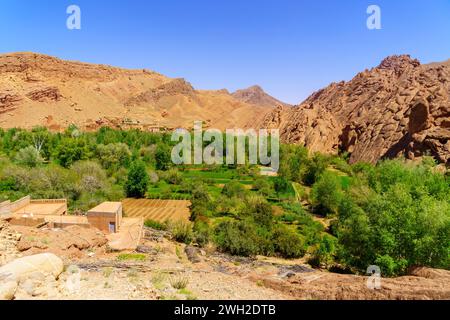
(157, 210)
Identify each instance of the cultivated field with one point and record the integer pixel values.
(157, 210)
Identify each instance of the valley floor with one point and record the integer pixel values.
(163, 269)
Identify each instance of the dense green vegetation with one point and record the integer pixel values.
(395, 215)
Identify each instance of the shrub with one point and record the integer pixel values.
(181, 231)
(153, 176)
(155, 225)
(234, 189)
(288, 217)
(229, 206)
(202, 233)
(323, 252)
(263, 186)
(7, 184)
(287, 242)
(131, 256)
(259, 209)
(237, 238)
(173, 176)
(120, 176)
(281, 185)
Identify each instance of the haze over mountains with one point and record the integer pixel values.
(398, 108)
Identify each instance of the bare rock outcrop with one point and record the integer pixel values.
(400, 108)
(172, 88)
(9, 102)
(8, 243)
(45, 94)
(69, 242)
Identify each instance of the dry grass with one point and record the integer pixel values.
(179, 282)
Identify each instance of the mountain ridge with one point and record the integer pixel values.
(41, 90)
(257, 96)
(399, 108)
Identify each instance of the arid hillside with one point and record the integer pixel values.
(40, 90)
(399, 108)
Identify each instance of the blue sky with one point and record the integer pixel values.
(289, 47)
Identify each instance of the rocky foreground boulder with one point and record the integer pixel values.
(400, 108)
(27, 269)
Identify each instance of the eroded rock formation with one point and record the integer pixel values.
(400, 108)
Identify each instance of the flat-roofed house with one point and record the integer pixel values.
(32, 213)
(106, 217)
(26, 207)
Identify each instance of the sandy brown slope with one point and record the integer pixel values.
(39, 90)
(398, 108)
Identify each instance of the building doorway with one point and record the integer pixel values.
(112, 227)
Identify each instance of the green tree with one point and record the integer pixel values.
(163, 157)
(138, 180)
(281, 185)
(70, 150)
(326, 194)
(29, 156)
(113, 155)
(201, 203)
(314, 168)
(395, 230)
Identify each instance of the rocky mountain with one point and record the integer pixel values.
(257, 96)
(399, 108)
(38, 90)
